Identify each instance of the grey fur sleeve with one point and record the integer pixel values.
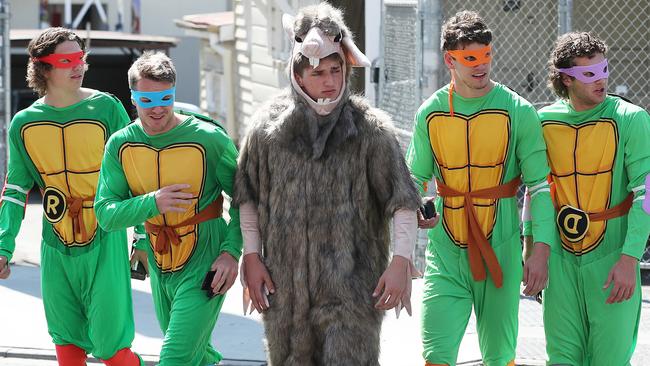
(388, 174)
(247, 178)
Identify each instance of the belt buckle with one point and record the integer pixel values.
(573, 223)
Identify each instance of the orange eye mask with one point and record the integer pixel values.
(471, 58)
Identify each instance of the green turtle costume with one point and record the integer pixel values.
(197, 152)
(599, 161)
(477, 155)
(84, 270)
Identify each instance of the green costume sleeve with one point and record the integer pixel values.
(418, 156)
(14, 199)
(637, 165)
(114, 207)
(531, 153)
(226, 168)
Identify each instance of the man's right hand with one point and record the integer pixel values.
(5, 271)
(169, 198)
(427, 223)
(258, 280)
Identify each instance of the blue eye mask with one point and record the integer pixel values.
(154, 99)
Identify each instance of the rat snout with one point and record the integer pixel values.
(312, 43)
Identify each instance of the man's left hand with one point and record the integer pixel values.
(623, 278)
(536, 269)
(225, 268)
(395, 285)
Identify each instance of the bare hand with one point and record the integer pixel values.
(258, 281)
(536, 269)
(225, 268)
(139, 255)
(394, 285)
(427, 223)
(623, 277)
(5, 271)
(169, 198)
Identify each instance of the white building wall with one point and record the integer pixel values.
(24, 13)
(158, 19)
(261, 62)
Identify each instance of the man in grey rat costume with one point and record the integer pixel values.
(320, 175)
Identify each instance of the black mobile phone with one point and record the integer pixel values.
(428, 210)
(138, 271)
(207, 283)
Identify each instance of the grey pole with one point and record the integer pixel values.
(5, 85)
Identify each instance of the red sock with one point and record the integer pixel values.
(123, 357)
(70, 355)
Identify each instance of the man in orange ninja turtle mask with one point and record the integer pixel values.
(479, 140)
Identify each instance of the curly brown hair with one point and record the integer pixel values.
(463, 28)
(43, 45)
(567, 47)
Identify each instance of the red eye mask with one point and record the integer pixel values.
(63, 60)
(481, 56)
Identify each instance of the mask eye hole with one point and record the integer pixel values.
(605, 69)
(145, 100)
(298, 39)
(167, 97)
(588, 74)
(338, 37)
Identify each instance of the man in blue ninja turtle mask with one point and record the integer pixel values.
(169, 170)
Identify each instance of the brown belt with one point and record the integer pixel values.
(75, 206)
(608, 214)
(479, 249)
(167, 235)
(614, 212)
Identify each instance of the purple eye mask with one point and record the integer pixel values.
(599, 71)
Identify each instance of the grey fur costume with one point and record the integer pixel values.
(325, 188)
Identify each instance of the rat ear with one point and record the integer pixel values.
(353, 55)
(287, 24)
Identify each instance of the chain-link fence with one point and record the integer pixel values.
(524, 32)
(399, 89)
(523, 37)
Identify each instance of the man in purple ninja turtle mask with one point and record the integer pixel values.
(597, 146)
(320, 176)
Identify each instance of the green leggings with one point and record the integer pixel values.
(186, 316)
(449, 294)
(581, 329)
(87, 298)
